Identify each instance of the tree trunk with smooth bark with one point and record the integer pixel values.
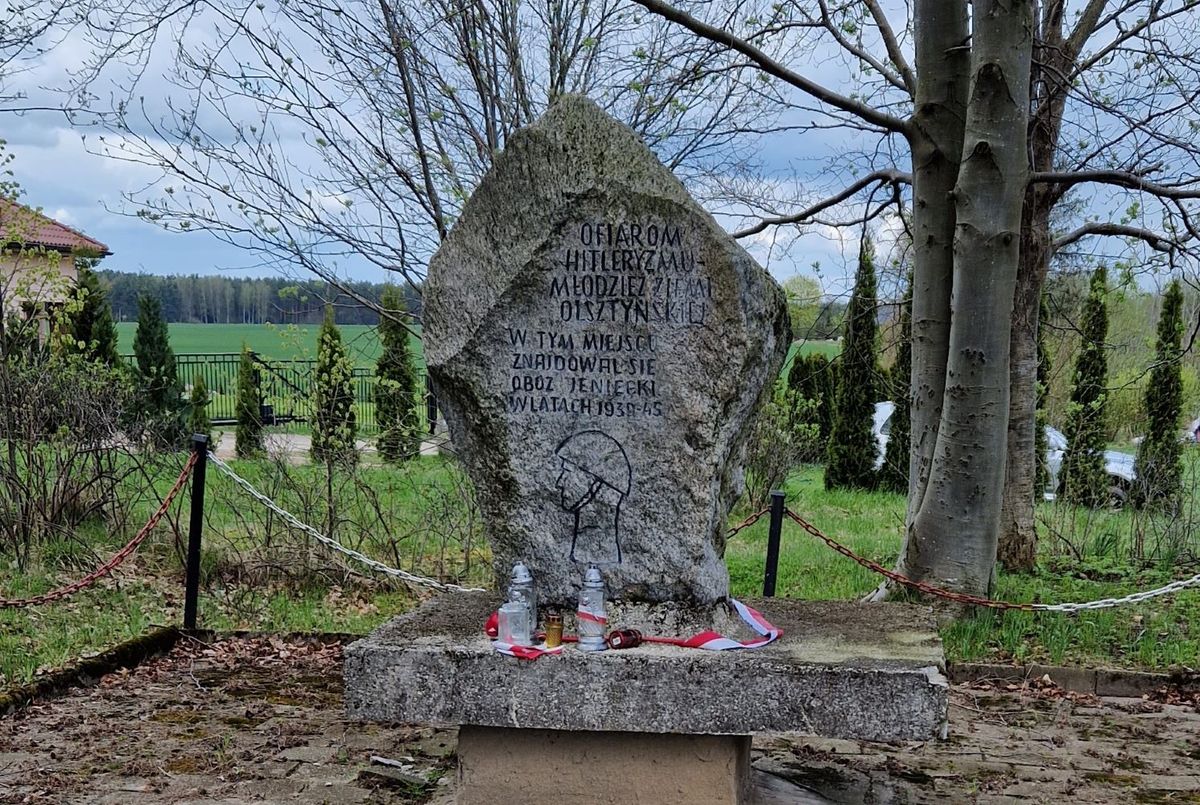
(936, 142)
(1057, 53)
(1017, 549)
(954, 515)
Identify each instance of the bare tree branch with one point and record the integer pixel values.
(1154, 240)
(858, 50)
(1119, 178)
(770, 66)
(883, 177)
(895, 53)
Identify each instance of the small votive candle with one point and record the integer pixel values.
(554, 630)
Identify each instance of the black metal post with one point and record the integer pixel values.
(191, 590)
(772, 570)
(431, 406)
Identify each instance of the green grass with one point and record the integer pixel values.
(830, 349)
(1161, 634)
(255, 573)
(52, 636)
(1088, 559)
(271, 341)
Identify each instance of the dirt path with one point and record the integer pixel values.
(260, 721)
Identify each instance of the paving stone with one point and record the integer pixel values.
(309, 754)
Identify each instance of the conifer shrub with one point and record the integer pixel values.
(160, 395)
(397, 391)
(198, 419)
(334, 427)
(1158, 469)
(248, 438)
(809, 389)
(91, 332)
(1084, 479)
(852, 450)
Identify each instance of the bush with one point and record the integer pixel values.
(779, 440)
(334, 427)
(850, 460)
(64, 460)
(249, 434)
(396, 394)
(811, 378)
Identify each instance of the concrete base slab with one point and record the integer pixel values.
(841, 670)
(601, 768)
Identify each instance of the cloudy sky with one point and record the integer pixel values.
(72, 183)
(62, 171)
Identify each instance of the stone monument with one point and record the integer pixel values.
(599, 346)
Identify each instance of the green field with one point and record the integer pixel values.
(280, 342)
(283, 342)
(830, 349)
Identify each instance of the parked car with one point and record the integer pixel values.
(1117, 465)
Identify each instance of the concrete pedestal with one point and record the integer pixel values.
(667, 722)
(602, 768)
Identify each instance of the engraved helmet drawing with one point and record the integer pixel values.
(600, 457)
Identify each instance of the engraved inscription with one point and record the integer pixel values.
(593, 349)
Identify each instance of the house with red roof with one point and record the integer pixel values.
(37, 258)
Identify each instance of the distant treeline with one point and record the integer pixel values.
(233, 300)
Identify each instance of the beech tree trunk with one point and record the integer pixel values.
(954, 515)
(1056, 58)
(936, 141)
(1017, 549)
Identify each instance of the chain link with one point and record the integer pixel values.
(979, 601)
(744, 524)
(329, 542)
(875, 567)
(117, 558)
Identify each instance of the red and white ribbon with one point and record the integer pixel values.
(707, 641)
(524, 652)
(715, 641)
(585, 615)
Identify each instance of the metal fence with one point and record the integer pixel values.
(287, 389)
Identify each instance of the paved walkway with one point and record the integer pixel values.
(297, 446)
(245, 721)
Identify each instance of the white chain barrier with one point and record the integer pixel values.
(412, 578)
(977, 600)
(329, 542)
(1133, 598)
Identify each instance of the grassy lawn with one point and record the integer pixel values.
(830, 349)
(261, 576)
(52, 636)
(256, 574)
(270, 340)
(1160, 634)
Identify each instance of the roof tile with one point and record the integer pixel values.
(33, 229)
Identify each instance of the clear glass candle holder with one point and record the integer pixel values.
(514, 626)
